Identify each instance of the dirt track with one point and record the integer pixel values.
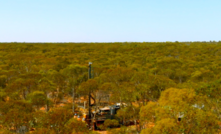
(102, 132)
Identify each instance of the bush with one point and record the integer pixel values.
(111, 123)
(122, 130)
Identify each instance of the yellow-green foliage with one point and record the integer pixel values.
(174, 103)
(164, 126)
(122, 130)
(111, 123)
(45, 74)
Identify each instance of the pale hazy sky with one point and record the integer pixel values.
(109, 20)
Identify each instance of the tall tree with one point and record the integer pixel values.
(76, 74)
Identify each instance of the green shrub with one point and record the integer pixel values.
(111, 123)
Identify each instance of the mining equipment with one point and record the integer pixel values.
(98, 118)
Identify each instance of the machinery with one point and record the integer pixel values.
(96, 118)
(101, 115)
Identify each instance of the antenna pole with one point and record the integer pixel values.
(89, 95)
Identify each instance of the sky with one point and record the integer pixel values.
(109, 20)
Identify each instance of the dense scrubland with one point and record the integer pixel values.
(174, 85)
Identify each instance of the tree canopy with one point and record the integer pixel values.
(158, 82)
